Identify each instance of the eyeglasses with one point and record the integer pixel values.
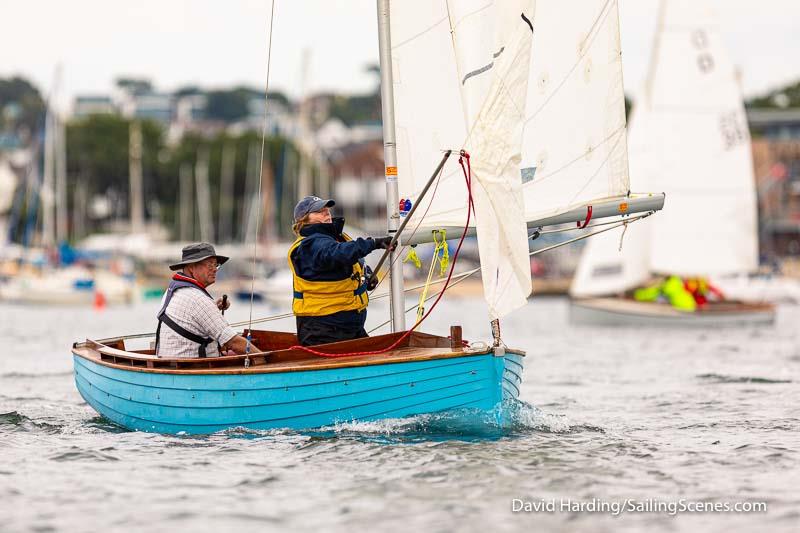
(212, 266)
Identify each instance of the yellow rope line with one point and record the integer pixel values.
(441, 254)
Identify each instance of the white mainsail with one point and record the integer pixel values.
(697, 121)
(460, 73)
(688, 137)
(575, 149)
(533, 91)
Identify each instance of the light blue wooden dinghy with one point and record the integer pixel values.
(284, 388)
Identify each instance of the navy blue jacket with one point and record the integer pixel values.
(324, 255)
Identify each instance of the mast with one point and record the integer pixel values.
(135, 172)
(250, 199)
(267, 199)
(61, 180)
(185, 202)
(79, 201)
(397, 300)
(47, 193)
(250, 190)
(226, 192)
(324, 174)
(203, 199)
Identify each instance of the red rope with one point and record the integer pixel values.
(468, 178)
(588, 218)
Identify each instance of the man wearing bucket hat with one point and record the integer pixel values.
(194, 320)
(329, 275)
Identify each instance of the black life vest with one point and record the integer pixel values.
(178, 282)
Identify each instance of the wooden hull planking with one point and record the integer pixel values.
(281, 395)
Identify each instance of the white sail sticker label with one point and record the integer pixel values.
(391, 173)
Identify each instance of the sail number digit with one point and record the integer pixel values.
(704, 60)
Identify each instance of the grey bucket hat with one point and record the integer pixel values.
(194, 253)
(310, 204)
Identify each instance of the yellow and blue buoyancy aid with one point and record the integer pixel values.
(321, 298)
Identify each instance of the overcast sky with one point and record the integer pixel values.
(215, 43)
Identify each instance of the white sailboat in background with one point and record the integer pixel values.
(689, 137)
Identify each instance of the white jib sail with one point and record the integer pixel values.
(604, 269)
(574, 145)
(461, 74)
(701, 156)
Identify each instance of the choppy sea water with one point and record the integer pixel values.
(635, 418)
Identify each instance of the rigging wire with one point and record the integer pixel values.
(589, 227)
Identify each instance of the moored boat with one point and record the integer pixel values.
(289, 388)
(72, 285)
(629, 312)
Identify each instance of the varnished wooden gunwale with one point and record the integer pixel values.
(417, 347)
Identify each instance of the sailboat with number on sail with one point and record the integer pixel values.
(689, 137)
(536, 119)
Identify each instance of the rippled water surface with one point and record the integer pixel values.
(606, 415)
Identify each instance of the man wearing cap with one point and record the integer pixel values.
(329, 276)
(194, 323)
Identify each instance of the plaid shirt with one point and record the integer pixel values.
(197, 313)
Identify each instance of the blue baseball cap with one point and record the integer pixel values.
(310, 204)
